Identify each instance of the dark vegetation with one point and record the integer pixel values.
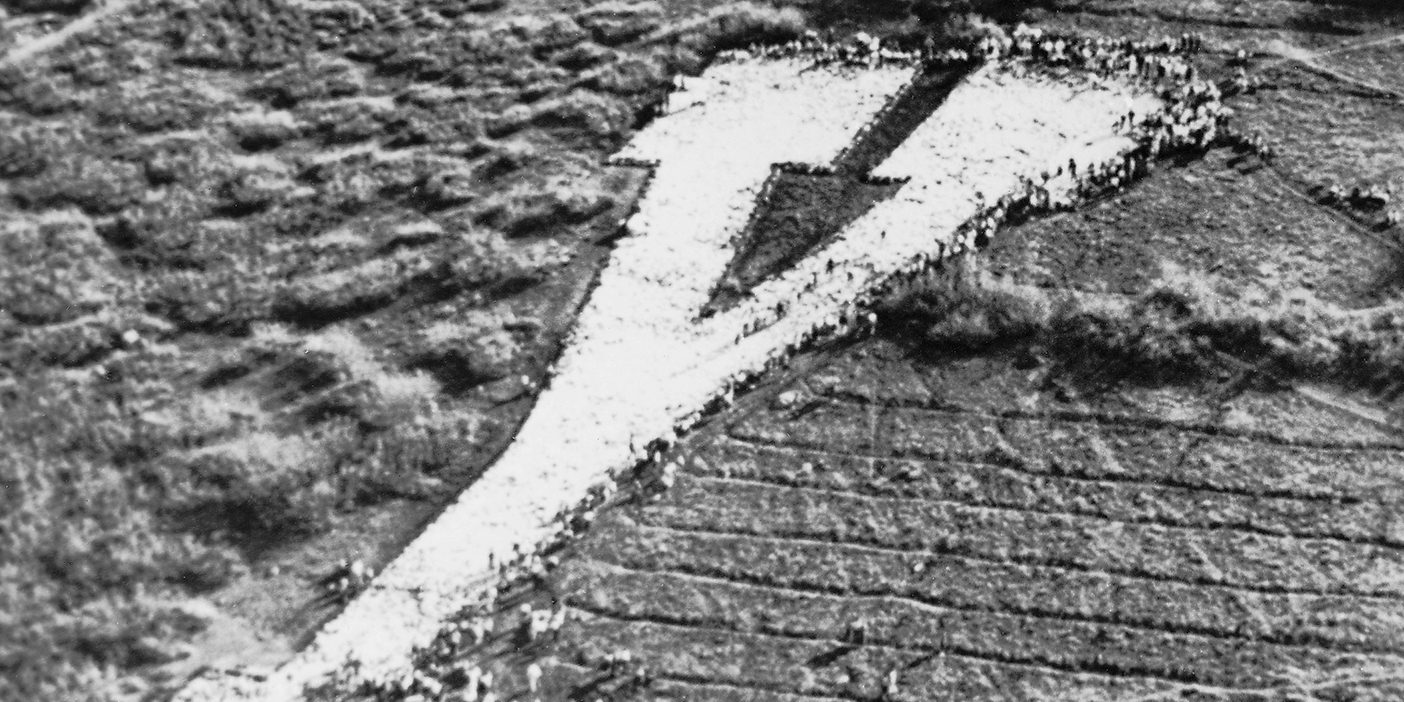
(1181, 326)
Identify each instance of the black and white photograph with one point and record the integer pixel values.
(702, 350)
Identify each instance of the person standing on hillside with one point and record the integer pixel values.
(889, 691)
(557, 621)
(471, 691)
(858, 631)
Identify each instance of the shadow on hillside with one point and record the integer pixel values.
(1356, 15)
(801, 210)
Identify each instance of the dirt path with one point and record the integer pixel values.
(1311, 61)
(91, 19)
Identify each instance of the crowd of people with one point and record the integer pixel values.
(860, 50)
(442, 671)
(345, 581)
(1165, 58)
(1193, 119)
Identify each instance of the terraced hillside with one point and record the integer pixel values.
(997, 538)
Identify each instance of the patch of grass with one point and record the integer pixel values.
(964, 308)
(1177, 327)
(80, 546)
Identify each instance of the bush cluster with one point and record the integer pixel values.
(1179, 327)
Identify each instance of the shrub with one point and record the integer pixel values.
(436, 124)
(55, 272)
(345, 186)
(262, 483)
(424, 65)
(85, 567)
(582, 56)
(520, 214)
(158, 232)
(506, 158)
(585, 111)
(966, 309)
(447, 187)
(258, 132)
(157, 109)
(186, 161)
(319, 299)
(68, 345)
(615, 23)
(314, 79)
(356, 119)
(223, 299)
(962, 29)
(42, 94)
(546, 33)
(403, 460)
(464, 354)
(1176, 328)
(22, 152)
(741, 24)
